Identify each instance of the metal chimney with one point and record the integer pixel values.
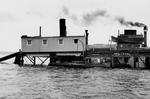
(40, 31)
(62, 25)
(86, 41)
(145, 35)
(87, 34)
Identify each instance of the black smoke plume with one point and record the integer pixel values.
(122, 21)
(89, 18)
(67, 13)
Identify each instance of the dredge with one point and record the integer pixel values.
(73, 51)
(132, 49)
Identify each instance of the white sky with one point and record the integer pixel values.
(23, 17)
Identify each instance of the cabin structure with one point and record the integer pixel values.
(130, 40)
(54, 44)
(132, 49)
(60, 48)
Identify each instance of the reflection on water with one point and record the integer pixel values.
(68, 83)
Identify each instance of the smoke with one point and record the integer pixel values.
(122, 21)
(88, 19)
(67, 13)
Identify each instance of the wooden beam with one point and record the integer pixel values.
(44, 61)
(31, 60)
(34, 60)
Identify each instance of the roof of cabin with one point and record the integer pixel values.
(25, 36)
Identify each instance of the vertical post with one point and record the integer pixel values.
(135, 61)
(145, 35)
(111, 57)
(49, 59)
(86, 39)
(40, 31)
(18, 59)
(111, 61)
(34, 60)
(22, 59)
(147, 62)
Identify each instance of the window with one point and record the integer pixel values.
(75, 41)
(60, 41)
(29, 42)
(44, 42)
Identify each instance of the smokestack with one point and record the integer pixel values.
(86, 42)
(40, 31)
(145, 35)
(87, 34)
(62, 25)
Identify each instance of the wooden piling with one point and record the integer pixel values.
(19, 59)
(34, 60)
(147, 62)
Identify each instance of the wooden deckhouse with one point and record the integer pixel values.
(55, 49)
(61, 48)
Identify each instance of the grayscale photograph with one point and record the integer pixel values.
(74, 49)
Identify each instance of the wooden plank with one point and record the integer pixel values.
(9, 56)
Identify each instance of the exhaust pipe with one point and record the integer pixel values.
(40, 31)
(62, 25)
(145, 35)
(87, 34)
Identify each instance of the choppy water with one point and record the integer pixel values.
(66, 83)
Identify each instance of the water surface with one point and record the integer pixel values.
(68, 83)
